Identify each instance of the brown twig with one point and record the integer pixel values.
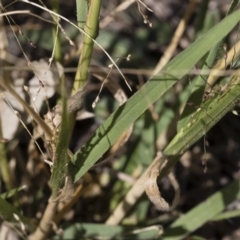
(177, 35)
(148, 179)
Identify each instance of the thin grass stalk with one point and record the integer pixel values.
(59, 175)
(91, 28)
(60, 158)
(46, 223)
(5, 172)
(120, 120)
(55, 33)
(200, 83)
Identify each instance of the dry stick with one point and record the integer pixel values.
(149, 175)
(121, 98)
(82, 31)
(28, 109)
(194, 72)
(152, 189)
(176, 38)
(219, 67)
(148, 73)
(130, 199)
(124, 5)
(151, 186)
(74, 103)
(15, 12)
(46, 222)
(4, 171)
(173, 45)
(121, 8)
(45, 225)
(23, 124)
(147, 180)
(68, 205)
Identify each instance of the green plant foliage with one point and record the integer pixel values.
(203, 213)
(159, 111)
(90, 230)
(12, 192)
(109, 132)
(11, 214)
(59, 169)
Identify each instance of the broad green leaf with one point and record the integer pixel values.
(226, 215)
(121, 119)
(202, 213)
(107, 232)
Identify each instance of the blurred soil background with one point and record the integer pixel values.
(125, 34)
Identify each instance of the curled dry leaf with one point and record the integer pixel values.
(151, 186)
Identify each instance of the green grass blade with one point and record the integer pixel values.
(55, 32)
(201, 17)
(60, 159)
(12, 192)
(207, 116)
(218, 49)
(107, 232)
(203, 213)
(4, 170)
(232, 7)
(91, 28)
(226, 215)
(125, 115)
(7, 212)
(210, 113)
(199, 87)
(82, 11)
